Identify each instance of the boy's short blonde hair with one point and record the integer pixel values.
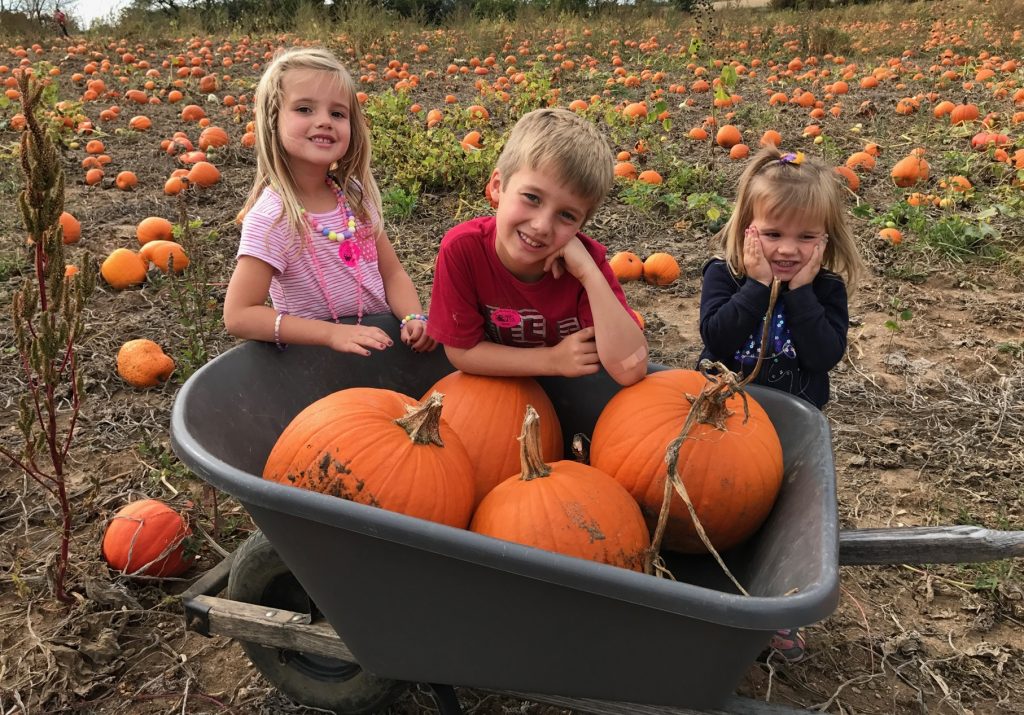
(560, 141)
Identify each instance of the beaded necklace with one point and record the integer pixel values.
(348, 249)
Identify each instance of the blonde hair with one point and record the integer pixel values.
(786, 185)
(351, 172)
(558, 140)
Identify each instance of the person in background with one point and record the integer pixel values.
(61, 19)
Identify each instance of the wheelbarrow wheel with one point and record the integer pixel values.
(259, 576)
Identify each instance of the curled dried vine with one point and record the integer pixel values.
(709, 407)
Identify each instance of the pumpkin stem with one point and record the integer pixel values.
(530, 453)
(580, 451)
(423, 422)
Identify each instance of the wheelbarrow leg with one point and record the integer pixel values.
(447, 701)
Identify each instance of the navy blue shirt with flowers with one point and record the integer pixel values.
(806, 338)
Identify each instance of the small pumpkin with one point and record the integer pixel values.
(892, 235)
(142, 363)
(126, 180)
(727, 136)
(626, 266)
(964, 113)
(213, 137)
(72, 228)
(154, 228)
(850, 177)
(381, 448)
(165, 255)
(485, 413)
(625, 170)
(192, 113)
(147, 537)
(661, 269)
(204, 174)
(567, 507)
(861, 160)
(909, 170)
(123, 268)
(731, 466)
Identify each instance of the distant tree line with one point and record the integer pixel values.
(18, 15)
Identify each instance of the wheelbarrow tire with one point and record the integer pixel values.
(259, 576)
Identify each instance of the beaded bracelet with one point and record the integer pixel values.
(277, 330)
(412, 316)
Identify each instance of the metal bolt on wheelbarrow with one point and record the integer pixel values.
(341, 605)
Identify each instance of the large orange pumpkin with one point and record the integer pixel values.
(147, 537)
(486, 414)
(566, 506)
(732, 474)
(381, 448)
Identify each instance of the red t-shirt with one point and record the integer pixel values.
(474, 297)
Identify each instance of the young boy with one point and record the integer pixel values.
(524, 292)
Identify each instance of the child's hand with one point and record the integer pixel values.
(358, 339)
(754, 262)
(414, 334)
(572, 258)
(577, 354)
(807, 274)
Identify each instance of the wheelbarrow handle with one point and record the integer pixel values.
(928, 545)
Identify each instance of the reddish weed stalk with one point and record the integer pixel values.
(47, 316)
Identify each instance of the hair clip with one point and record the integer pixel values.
(791, 158)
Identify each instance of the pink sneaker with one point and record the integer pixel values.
(790, 644)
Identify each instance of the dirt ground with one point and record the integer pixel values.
(927, 421)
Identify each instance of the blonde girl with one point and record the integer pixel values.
(788, 223)
(312, 236)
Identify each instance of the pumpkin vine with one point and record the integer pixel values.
(708, 407)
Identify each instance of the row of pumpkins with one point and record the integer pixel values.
(453, 458)
(457, 461)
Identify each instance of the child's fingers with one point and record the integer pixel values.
(585, 334)
(555, 265)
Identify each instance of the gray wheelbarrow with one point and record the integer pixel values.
(342, 605)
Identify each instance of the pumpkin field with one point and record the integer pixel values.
(919, 105)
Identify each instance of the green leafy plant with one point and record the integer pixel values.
(399, 204)
(900, 316)
(957, 237)
(715, 209)
(414, 158)
(48, 327)
(1013, 348)
(196, 308)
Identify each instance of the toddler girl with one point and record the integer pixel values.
(788, 224)
(311, 229)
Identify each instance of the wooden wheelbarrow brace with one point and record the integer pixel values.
(209, 615)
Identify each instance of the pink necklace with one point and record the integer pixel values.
(348, 249)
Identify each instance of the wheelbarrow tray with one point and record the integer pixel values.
(418, 601)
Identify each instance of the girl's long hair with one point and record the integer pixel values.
(351, 172)
(788, 185)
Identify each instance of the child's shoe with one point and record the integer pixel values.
(790, 644)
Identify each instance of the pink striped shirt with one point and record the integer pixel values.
(296, 286)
